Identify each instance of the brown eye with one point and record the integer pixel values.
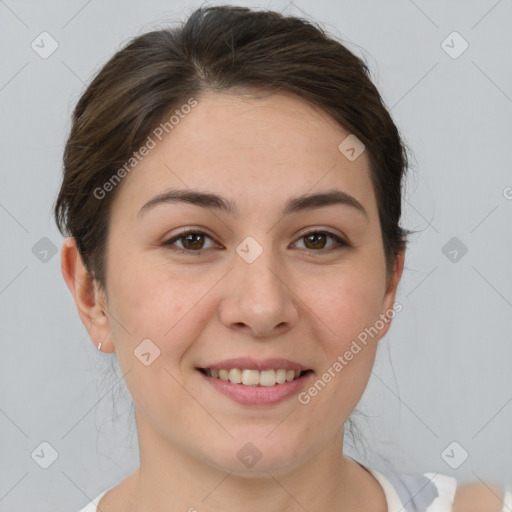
(192, 241)
(316, 240)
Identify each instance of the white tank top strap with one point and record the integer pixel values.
(394, 502)
(507, 500)
(446, 487)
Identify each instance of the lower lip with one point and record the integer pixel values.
(258, 395)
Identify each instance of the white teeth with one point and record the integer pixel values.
(254, 377)
(250, 377)
(281, 376)
(235, 375)
(267, 378)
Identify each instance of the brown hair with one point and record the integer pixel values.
(218, 48)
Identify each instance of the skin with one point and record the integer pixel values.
(296, 301)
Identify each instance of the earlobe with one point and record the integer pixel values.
(89, 298)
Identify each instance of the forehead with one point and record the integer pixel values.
(254, 150)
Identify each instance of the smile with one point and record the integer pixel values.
(248, 377)
(263, 388)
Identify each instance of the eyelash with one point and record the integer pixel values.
(341, 243)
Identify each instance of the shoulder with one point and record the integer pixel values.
(436, 492)
(480, 497)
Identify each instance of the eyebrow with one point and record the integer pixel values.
(293, 205)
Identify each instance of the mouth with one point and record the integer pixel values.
(255, 378)
(257, 388)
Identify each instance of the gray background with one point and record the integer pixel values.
(443, 372)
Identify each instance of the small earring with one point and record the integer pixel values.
(99, 346)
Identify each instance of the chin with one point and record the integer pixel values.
(258, 458)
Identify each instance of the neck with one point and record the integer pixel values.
(171, 479)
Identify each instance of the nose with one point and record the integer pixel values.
(259, 298)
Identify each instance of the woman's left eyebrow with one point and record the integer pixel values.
(293, 205)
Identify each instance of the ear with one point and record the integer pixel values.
(389, 297)
(89, 297)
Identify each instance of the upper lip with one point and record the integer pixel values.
(257, 364)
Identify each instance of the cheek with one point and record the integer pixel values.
(346, 305)
(344, 309)
(151, 301)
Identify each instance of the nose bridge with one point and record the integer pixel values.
(259, 297)
(258, 268)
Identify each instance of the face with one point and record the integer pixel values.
(252, 283)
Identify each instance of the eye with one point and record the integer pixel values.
(193, 241)
(315, 241)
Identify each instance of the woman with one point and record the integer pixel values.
(232, 193)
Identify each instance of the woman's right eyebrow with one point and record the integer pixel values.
(293, 205)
